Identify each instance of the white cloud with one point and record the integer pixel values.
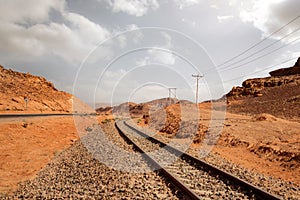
(137, 8)
(296, 54)
(138, 35)
(142, 94)
(90, 31)
(144, 61)
(186, 3)
(224, 18)
(132, 27)
(160, 54)
(162, 57)
(116, 85)
(71, 40)
(130, 33)
(189, 22)
(30, 10)
(157, 56)
(168, 40)
(214, 6)
(270, 15)
(122, 41)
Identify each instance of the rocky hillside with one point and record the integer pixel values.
(23, 92)
(254, 87)
(279, 77)
(278, 94)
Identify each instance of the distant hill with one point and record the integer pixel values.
(18, 89)
(141, 109)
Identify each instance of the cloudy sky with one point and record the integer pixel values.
(134, 50)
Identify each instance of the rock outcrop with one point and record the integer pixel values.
(277, 95)
(287, 71)
(254, 87)
(280, 77)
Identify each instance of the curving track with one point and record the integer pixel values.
(196, 178)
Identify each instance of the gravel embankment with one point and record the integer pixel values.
(200, 181)
(74, 173)
(283, 189)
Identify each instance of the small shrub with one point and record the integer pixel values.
(88, 129)
(106, 121)
(25, 124)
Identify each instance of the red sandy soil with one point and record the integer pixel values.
(261, 128)
(262, 143)
(267, 143)
(243, 157)
(28, 144)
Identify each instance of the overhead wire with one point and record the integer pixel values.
(264, 39)
(260, 50)
(275, 65)
(287, 44)
(258, 43)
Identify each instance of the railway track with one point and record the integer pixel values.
(194, 177)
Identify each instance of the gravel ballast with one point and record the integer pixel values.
(75, 173)
(283, 189)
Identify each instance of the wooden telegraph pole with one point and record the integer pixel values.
(197, 76)
(172, 91)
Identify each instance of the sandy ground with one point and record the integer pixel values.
(262, 143)
(28, 144)
(265, 146)
(248, 160)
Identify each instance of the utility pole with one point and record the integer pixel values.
(197, 76)
(172, 91)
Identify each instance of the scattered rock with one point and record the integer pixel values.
(264, 117)
(25, 124)
(75, 174)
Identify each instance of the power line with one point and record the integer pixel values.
(256, 44)
(262, 55)
(294, 31)
(286, 61)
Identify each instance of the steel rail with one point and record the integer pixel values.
(176, 182)
(201, 163)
